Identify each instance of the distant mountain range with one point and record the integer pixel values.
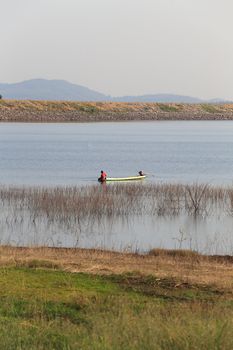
(42, 89)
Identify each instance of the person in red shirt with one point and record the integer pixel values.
(103, 176)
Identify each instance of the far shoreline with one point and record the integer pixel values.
(89, 112)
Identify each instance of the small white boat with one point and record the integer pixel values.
(129, 178)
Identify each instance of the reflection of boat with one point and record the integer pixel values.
(129, 178)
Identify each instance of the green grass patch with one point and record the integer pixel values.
(38, 263)
(168, 108)
(87, 108)
(209, 108)
(47, 309)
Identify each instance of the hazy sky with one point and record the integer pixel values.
(121, 47)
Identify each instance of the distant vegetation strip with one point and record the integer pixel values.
(67, 111)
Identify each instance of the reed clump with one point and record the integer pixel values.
(79, 209)
(97, 202)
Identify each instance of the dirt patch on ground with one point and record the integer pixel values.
(169, 288)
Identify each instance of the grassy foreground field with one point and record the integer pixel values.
(66, 111)
(89, 299)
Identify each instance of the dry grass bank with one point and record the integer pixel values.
(65, 111)
(183, 266)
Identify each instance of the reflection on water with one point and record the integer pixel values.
(207, 234)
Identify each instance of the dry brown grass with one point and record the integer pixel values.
(35, 105)
(184, 265)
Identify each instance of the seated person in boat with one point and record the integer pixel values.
(103, 176)
(141, 173)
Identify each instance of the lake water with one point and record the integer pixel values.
(73, 154)
(68, 154)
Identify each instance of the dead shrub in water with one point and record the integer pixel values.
(196, 198)
(230, 200)
(168, 199)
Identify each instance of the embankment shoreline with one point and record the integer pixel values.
(64, 111)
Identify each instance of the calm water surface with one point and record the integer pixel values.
(65, 154)
(74, 154)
